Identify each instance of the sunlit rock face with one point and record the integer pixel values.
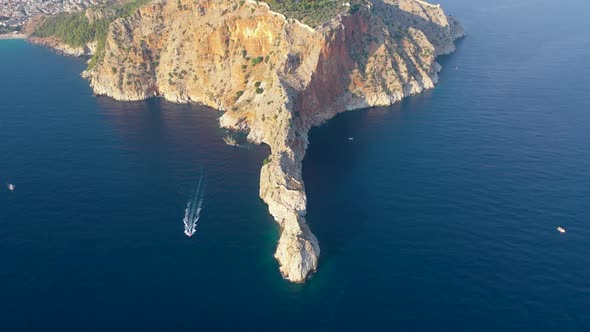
(275, 78)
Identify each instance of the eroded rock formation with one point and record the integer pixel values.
(275, 78)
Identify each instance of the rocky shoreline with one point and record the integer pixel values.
(12, 35)
(62, 48)
(275, 78)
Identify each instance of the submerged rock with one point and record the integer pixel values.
(229, 140)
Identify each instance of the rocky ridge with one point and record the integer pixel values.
(275, 78)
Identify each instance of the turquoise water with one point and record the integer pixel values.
(441, 215)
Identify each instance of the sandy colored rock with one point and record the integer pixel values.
(275, 78)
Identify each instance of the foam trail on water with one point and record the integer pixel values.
(192, 213)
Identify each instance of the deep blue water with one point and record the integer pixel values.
(441, 215)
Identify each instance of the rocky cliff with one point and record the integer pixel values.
(63, 48)
(275, 78)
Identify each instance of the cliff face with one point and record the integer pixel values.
(275, 78)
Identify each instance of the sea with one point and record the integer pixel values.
(440, 214)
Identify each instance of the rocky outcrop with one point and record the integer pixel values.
(275, 78)
(95, 14)
(63, 48)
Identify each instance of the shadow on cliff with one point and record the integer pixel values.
(350, 48)
(445, 59)
(332, 168)
(403, 18)
(396, 18)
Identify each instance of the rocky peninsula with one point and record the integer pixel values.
(274, 78)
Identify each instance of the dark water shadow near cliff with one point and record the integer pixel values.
(331, 173)
(343, 182)
(333, 161)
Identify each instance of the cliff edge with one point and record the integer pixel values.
(275, 78)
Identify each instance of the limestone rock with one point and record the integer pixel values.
(275, 78)
(63, 48)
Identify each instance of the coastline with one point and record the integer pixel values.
(290, 77)
(277, 96)
(14, 35)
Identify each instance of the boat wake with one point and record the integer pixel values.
(194, 208)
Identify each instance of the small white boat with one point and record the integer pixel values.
(10, 187)
(351, 139)
(561, 229)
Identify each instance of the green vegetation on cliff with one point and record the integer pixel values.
(313, 12)
(71, 28)
(76, 30)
